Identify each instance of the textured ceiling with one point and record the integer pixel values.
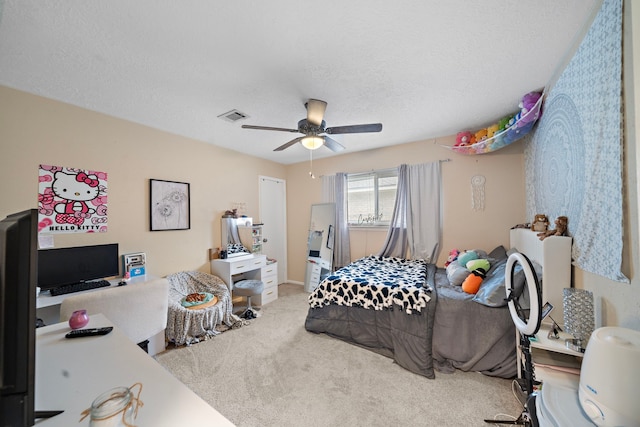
(423, 68)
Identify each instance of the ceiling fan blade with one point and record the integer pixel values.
(373, 127)
(315, 111)
(332, 144)
(289, 144)
(269, 128)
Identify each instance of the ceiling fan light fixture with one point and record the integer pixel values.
(312, 142)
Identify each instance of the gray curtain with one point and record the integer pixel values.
(334, 190)
(396, 243)
(416, 224)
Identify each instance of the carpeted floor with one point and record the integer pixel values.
(273, 372)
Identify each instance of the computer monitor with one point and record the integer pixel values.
(65, 266)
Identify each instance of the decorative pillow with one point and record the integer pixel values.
(472, 283)
(492, 292)
(480, 253)
(498, 253)
(465, 257)
(456, 273)
(478, 263)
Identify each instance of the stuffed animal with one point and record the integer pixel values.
(467, 256)
(453, 255)
(528, 102)
(472, 283)
(562, 223)
(481, 135)
(478, 264)
(504, 123)
(492, 130)
(463, 139)
(540, 223)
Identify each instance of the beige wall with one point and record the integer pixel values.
(34, 131)
(464, 228)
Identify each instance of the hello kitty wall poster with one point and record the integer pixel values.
(71, 200)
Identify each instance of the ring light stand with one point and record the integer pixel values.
(526, 313)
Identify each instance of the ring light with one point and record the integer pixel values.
(525, 314)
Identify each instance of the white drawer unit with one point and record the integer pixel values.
(269, 276)
(252, 267)
(227, 268)
(315, 273)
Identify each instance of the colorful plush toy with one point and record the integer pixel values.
(481, 135)
(504, 123)
(492, 130)
(472, 283)
(453, 255)
(527, 104)
(478, 264)
(478, 268)
(467, 256)
(463, 139)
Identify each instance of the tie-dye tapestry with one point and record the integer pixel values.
(71, 200)
(574, 160)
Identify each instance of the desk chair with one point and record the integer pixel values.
(138, 309)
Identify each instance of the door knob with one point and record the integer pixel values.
(264, 240)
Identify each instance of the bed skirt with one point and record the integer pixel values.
(406, 338)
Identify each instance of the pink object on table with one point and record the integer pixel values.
(79, 319)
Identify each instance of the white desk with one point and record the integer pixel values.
(229, 267)
(253, 266)
(46, 300)
(71, 373)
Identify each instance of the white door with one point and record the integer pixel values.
(273, 214)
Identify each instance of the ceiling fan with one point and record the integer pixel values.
(314, 130)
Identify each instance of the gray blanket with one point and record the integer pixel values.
(185, 326)
(451, 332)
(471, 336)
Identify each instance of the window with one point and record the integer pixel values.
(371, 197)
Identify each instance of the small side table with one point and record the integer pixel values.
(542, 341)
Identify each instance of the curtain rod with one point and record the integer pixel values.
(389, 169)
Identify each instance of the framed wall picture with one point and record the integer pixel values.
(169, 206)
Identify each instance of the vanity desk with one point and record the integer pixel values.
(250, 266)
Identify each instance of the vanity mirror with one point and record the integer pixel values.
(231, 242)
(320, 244)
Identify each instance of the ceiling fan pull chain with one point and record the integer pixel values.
(311, 165)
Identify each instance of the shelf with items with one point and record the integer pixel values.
(251, 237)
(551, 354)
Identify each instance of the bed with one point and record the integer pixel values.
(414, 313)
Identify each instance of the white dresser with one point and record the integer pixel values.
(317, 270)
(253, 267)
(269, 276)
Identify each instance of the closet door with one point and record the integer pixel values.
(273, 214)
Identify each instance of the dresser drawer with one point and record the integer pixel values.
(241, 266)
(269, 270)
(269, 276)
(268, 295)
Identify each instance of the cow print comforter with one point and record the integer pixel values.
(376, 283)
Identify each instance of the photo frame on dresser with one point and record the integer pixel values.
(169, 205)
